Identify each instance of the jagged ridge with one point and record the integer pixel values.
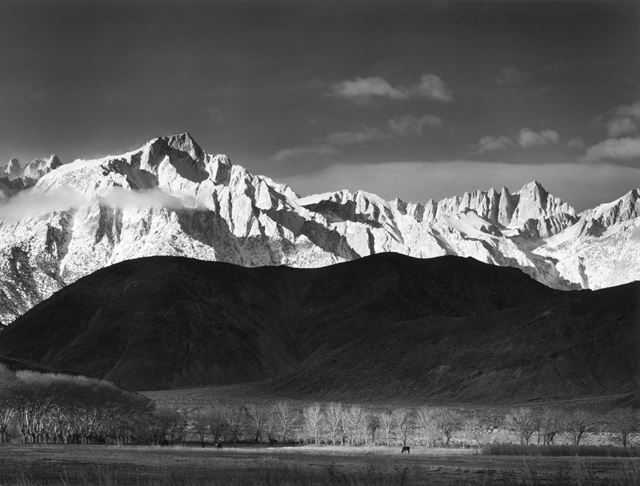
(169, 197)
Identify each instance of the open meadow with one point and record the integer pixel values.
(146, 465)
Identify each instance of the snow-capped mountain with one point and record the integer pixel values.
(169, 197)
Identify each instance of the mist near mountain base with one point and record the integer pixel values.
(33, 204)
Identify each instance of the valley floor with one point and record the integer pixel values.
(145, 465)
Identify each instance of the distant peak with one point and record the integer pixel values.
(185, 143)
(533, 186)
(53, 162)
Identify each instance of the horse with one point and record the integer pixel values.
(406, 449)
(273, 441)
(219, 445)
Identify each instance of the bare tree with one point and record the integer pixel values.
(352, 423)
(233, 416)
(372, 426)
(402, 420)
(217, 423)
(312, 420)
(271, 420)
(525, 421)
(258, 413)
(334, 415)
(426, 423)
(551, 423)
(624, 421)
(578, 422)
(388, 424)
(447, 421)
(474, 429)
(286, 414)
(200, 426)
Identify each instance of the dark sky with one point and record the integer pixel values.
(346, 93)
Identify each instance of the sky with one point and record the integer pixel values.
(407, 99)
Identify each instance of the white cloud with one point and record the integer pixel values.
(358, 136)
(510, 75)
(614, 149)
(632, 110)
(576, 143)
(303, 151)
(432, 87)
(583, 185)
(31, 204)
(528, 138)
(399, 126)
(525, 138)
(410, 124)
(490, 143)
(624, 120)
(617, 127)
(362, 90)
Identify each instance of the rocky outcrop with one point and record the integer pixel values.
(13, 170)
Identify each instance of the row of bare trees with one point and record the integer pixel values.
(52, 408)
(337, 424)
(542, 425)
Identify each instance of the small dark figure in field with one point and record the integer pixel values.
(219, 445)
(273, 441)
(406, 449)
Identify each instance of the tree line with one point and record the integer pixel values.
(337, 424)
(54, 408)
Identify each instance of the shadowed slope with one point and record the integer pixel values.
(166, 322)
(575, 345)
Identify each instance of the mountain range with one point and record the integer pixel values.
(60, 222)
(386, 326)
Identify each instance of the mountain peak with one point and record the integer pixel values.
(533, 187)
(184, 142)
(13, 169)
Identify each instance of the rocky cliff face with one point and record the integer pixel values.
(169, 197)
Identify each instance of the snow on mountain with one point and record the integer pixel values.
(13, 170)
(39, 167)
(602, 248)
(169, 197)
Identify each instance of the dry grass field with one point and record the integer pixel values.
(144, 465)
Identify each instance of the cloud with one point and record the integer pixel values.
(399, 126)
(358, 136)
(624, 120)
(576, 143)
(614, 149)
(528, 138)
(510, 75)
(620, 126)
(582, 185)
(303, 151)
(490, 143)
(432, 87)
(410, 124)
(363, 90)
(525, 138)
(31, 204)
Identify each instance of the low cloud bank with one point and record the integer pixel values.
(30, 204)
(582, 185)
